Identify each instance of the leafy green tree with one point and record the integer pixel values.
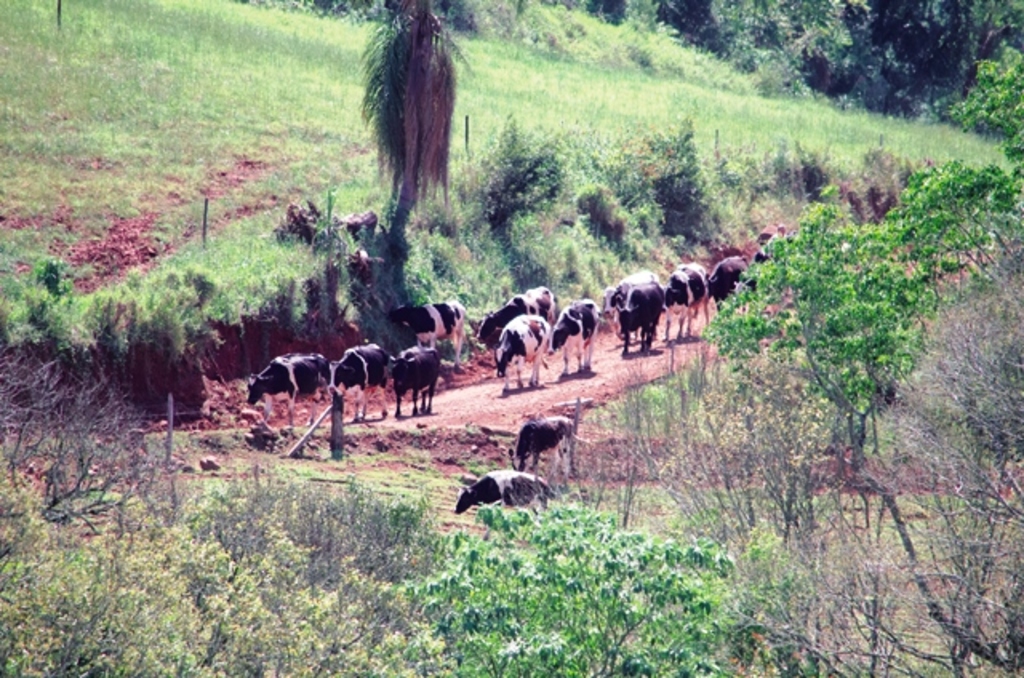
(997, 103)
(568, 594)
(841, 306)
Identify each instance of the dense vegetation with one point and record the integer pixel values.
(857, 452)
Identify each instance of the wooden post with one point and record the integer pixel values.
(58, 15)
(716, 144)
(572, 443)
(170, 427)
(309, 434)
(206, 211)
(467, 136)
(337, 424)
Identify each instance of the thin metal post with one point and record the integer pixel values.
(206, 212)
(170, 427)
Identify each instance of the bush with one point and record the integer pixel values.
(524, 174)
(662, 168)
(598, 204)
(568, 594)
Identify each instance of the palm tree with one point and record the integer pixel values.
(409, 73)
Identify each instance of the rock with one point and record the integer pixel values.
(209, 464)
(468, 479)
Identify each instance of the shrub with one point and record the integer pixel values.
(524, 174)
(598, 204)
(568, 594)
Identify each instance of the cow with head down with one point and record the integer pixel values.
(294, 374)
(524, 340)
(512, 488)
(576, 331)
(361, 370)
(539, 435)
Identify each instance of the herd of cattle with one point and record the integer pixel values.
(527, 330)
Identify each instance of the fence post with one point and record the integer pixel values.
(170, 427)
(58, 15)
(337, 425)
(572, 442)
(206, 211)
(467, 136)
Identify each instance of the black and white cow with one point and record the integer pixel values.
(576, 330)
(537, 436)
(685, 295)
(512, 488)
(524, 340)
(640, 311)
(614, 296)
(294, 374)
(537, 301)
(725, 277)
(434, 321)
(361, 370)
(413, 370)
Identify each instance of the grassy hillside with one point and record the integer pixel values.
(137, 110)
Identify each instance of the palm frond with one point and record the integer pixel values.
(385, 67)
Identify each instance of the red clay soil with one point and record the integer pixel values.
(474, 395)
(126, 245)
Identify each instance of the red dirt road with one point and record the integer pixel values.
(474, 396)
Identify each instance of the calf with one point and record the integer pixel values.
(614, 296)
(295, 374)
(537, 301)
(415, 369)
(685, 294)
(540, 435)
(434, 321)
(524, 340)
(725, 277)
(361, 369)
(640, 311)
(576, 329)
(512, 488)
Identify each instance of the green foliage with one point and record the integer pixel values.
(662, 168)
(600, 207)
(995, 104)
(848, 311)
(955, 218)
(568, 594)
(524, 174)
(52, 274)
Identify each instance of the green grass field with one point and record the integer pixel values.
(143, 107)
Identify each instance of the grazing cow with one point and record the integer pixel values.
(512, 488)
(538, 436)
(685, 294)
(524, 340)
(537, 301)
(726, 277)
(614, 296)
(434, 321)
(295, 374)
(640, 311)
(361, 369)
(576, 329)
(414, 369)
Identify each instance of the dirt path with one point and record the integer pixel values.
(474, 397)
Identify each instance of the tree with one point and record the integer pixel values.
(409, 100)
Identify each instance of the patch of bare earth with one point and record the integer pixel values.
(125, 245)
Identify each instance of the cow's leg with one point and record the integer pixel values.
(360, 404)
(535, 375)
(625, 345)
(565, 360)
(415, 398)
(519, 371)
(430, 405)
(398, 407)
(668, 324)
(457, 343)
(506, 389)
(589, 353)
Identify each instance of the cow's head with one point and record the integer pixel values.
(257, 387)
(400, 373)
(569, 324)
(488, 326)
(400, 315)
(467, 498)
